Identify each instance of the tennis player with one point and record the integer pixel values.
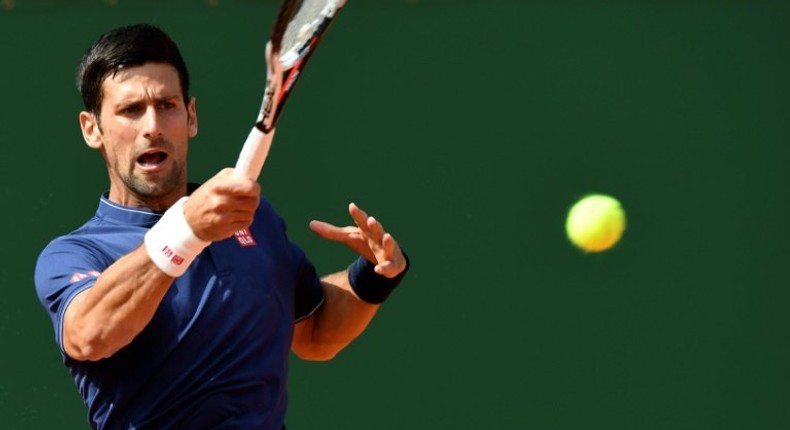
(176, 305)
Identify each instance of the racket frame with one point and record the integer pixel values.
(280, 81)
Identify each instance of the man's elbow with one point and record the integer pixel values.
(317, 352)
(83, 347)
(86, 351)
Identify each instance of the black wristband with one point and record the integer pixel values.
(369, 285)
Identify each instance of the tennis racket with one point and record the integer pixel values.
(298, 29)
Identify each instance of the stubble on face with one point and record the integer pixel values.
(151, 189)
(143, 136)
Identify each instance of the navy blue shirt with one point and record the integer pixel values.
(215, 354)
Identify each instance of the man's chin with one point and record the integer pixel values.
(153, 189)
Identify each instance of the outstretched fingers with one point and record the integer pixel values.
(371, 230)
(332, 232)
(351, 236)
(367, 238)
(391, 261)
(389, 258)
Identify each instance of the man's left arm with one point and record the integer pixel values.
(353, 296)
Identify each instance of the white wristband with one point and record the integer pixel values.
(171, 243)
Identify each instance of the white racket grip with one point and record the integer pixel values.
(253, 153)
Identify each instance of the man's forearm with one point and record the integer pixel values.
(340, 320)
(107, 316)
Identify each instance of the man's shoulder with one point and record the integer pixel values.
(74, 234)
(95, 234)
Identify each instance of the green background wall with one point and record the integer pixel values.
(468, 127)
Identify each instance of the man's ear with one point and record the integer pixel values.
(91, 131)
(192, 121)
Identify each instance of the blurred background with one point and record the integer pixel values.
(469, 127)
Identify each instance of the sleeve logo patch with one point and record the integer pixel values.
(78, 276)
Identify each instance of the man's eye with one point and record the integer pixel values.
(166, 105)
(129, 110)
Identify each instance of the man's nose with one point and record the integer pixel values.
(152, 123)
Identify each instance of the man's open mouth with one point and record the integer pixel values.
(151, 159)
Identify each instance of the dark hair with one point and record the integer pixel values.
(128, 46)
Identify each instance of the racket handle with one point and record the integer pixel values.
(253, 153)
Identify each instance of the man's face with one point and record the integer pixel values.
(143, 131)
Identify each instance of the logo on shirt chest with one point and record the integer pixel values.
(244, 237)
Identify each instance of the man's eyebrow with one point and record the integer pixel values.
(169, 97)
(136, 100)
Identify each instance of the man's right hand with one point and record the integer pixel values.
(222, 206)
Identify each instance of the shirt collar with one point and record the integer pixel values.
(110, 210)
(125, 214)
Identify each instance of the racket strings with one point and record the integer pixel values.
(305, 25)
(288, 10)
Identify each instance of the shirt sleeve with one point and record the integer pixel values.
(309, 293)
(307, 288)
(64, 269)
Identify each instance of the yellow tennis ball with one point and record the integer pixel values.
(595, 223)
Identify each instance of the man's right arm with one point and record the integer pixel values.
(107, 316)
